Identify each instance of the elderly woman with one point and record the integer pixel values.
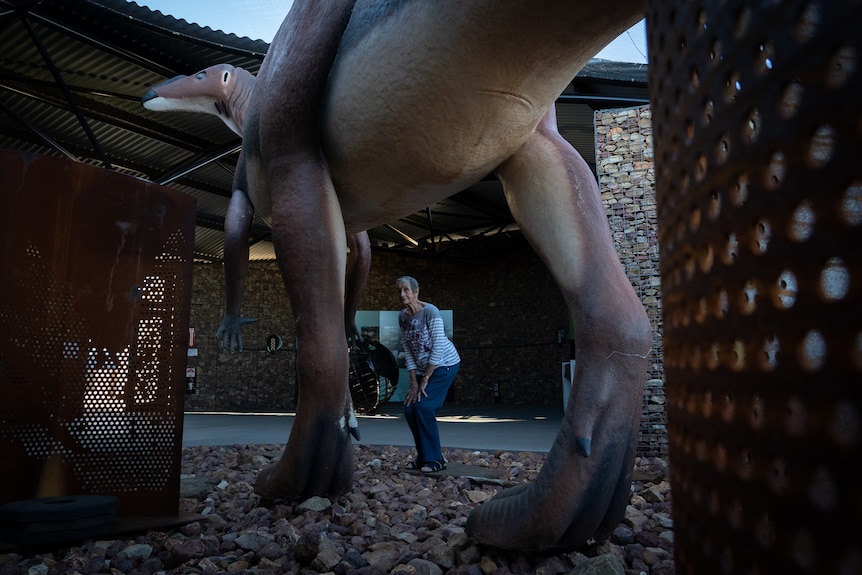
(433, 363)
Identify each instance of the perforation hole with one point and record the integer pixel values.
(707, 404)
(722, 304)
(700, 168)
(708, 112)
(706, 259)
(689, 131)
(720, 457)
(694, 219)
(715, 51)
(812, 352)
(713, 357)
(822, 490)
(728, 409)
(808, 23)
(771, 352)
(756, 416)
(834, 280)
(737, 361)
(777, 477)
(694, 81)
(742, 22)
(714, 208)
(765, 531)
(851, 204)
(844, 423)
(748, 298)
(743, 465)
(751, 129)
(722, 149)
(786, 288)
(774, 176)
(804, 550)
(696, 358)
(761, 237)
(791, 100)
(842, 65)
(739, 192)
(802, 222)
(714, 504)
(821, 147)
(701, 22)
(735, 517)
(702, 310)
(732, 87)
(796, 418)
(763, 63)
(731, 248)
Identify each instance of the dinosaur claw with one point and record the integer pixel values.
(354, 431)
(583, 444)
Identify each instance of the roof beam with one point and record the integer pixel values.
(61, 83)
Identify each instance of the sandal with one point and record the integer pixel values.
(433, 467)
(413, 465)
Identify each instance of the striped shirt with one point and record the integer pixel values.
(424, 339)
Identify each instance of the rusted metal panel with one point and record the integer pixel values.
(94, 305)
(759, 184)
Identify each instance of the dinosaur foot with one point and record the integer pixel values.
(318, 460)
(574, 499)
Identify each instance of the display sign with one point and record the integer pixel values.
(191, 380)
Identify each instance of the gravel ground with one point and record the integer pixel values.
(392, 521)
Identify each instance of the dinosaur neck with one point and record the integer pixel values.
(232, 110)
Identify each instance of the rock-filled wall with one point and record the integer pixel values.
(506, 306)
(506, 311)
(624, 162)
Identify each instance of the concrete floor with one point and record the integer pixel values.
(509, 428)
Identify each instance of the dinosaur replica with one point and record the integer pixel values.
(365, 111)
(224, 91)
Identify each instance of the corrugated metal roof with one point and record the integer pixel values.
(72, 73)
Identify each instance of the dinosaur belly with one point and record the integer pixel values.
(422, 103)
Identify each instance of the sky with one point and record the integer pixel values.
(259, 20)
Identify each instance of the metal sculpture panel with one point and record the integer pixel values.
(95, 306)
(758, 132)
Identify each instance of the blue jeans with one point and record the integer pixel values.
(422, 415)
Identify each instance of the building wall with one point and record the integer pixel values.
(506, 311)
(506, 306)
(624, 162)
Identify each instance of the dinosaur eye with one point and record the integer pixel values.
(201, 75)
(225, 76)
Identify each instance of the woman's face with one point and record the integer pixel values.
(407, 295)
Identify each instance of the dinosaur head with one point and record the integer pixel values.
(221, 90)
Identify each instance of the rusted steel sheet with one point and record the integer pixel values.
(94, 305)
(759, 186)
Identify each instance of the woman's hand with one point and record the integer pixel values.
(416, 391)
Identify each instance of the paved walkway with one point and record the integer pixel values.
(487, 428)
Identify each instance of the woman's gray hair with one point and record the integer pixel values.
(414, 285)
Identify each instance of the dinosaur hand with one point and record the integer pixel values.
(230, 331)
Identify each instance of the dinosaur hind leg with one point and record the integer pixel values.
(555, 199)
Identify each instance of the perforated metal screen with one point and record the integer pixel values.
(758, 134)
(94, 305)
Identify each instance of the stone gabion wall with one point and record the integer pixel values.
(254, 380)
(624, 162)
(506, 310)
